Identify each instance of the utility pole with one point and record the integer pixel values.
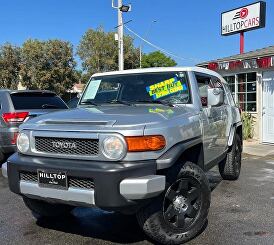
(120, 36)
(121, 8)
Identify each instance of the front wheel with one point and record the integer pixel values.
(44, 209)
(181, 212)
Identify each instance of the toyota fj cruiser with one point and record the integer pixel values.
(139, 143)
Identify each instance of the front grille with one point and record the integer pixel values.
(80, 183)
(27, 176)
(80, 147)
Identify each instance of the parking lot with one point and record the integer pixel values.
(241, 213)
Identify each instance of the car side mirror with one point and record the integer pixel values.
(215, 97)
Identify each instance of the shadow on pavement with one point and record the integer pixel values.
(214, 179)
(95, 223)
(109, 226)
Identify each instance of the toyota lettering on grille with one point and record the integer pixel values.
(63, 145)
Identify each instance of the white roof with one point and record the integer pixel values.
(159, 69)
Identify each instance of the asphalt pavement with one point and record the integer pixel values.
(241, 213)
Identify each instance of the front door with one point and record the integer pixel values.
(268, 107)
(214, 120)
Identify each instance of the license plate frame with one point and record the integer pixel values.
(55, 179)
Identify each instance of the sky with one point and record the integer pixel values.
(188, 29)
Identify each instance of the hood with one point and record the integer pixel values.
(107, 116)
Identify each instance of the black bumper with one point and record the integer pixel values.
(106, 175)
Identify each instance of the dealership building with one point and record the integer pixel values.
(250, 77)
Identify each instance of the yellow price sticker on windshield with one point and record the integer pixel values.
(165, 88)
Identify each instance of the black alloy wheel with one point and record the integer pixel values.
(182, 203)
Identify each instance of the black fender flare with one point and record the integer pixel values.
(171, 156)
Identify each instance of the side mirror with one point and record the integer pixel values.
(215, 96)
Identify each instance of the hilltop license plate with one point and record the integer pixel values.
(52, 179)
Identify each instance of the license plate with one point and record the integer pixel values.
(52, 179)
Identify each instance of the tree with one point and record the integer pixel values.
(99, 52)
(48, 65)
(157, 59)
(9, 66)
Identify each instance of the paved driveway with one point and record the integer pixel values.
(241, 213)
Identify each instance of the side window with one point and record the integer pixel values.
(204, 82)
(229, 95)
(216, 82)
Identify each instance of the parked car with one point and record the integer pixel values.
(144, 152)
(17, 107)
(73, 102)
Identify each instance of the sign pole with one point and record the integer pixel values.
(242, 42)
(120, 36)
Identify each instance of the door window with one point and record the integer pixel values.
(204, 82)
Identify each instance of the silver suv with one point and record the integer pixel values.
(17, 107)
(139, 143)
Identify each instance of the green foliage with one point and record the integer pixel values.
(157, 59)
(9, 66)
(248, 125)
(48, 65)
(98, 51)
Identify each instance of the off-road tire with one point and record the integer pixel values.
(43, 209)
(2, 158)
(151, 218)
(230, 167)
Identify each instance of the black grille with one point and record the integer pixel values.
(29, 177)
(72, 181)
(81, 183)
(86, 147)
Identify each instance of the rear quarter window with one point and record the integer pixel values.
(22, 101)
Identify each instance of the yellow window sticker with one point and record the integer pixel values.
(165, 88)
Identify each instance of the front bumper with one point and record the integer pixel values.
(116, 185)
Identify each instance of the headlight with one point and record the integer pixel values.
(114, 148)
(23, 142)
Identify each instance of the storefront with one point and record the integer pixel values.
(251, 79)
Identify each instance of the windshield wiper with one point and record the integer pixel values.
(48, 106)
(162, 102)
(88, 102)
(120, 102)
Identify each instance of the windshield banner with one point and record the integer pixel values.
(165, 88)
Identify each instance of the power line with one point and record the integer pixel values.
(159, 48)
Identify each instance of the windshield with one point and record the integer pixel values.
(171, 87)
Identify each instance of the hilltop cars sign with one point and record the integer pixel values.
(244, 19)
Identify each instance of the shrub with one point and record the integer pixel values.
(248, 125)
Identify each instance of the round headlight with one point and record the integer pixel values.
(22, 142)
(113, 148)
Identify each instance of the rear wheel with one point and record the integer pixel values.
(230, 167)
(44, 209)
(181, 212)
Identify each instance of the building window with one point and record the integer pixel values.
(246, 91)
